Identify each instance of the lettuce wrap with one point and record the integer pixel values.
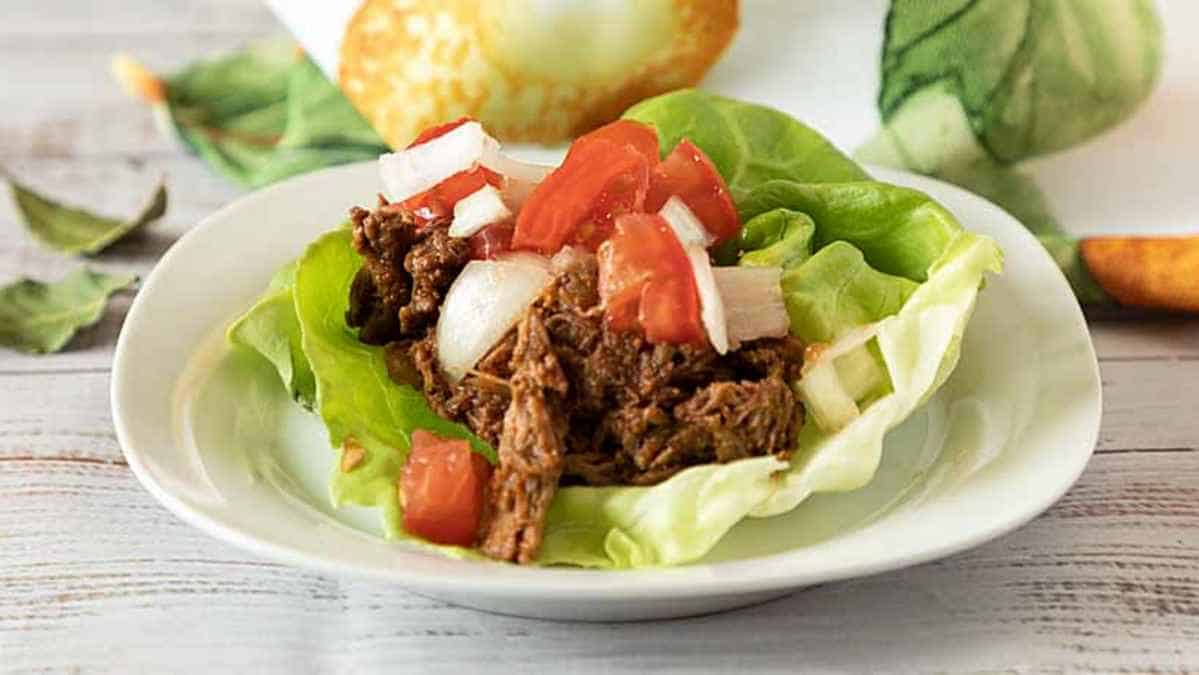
(881, 276)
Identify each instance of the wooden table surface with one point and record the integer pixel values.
(95, 575)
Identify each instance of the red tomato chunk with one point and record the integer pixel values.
(646, 279)
(688, 173)
(437, 203)
(605, 174)
(441, 488)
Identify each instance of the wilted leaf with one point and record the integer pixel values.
(73, 230)
(37, 317)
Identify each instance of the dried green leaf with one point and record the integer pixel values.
(72, 230)
(40, 318)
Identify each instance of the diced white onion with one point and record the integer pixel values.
(412, 171)
(565, 257)
(695, 240)
(483, 304)
(477, 210)
(825, 394)
(825, 398)
(517, 192)
(711, 307)
(849, 341)
(753, 303)
(686, 226)
(527, 259)
(512, 168)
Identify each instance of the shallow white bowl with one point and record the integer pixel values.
(1008, 434)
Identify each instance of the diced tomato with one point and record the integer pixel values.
(645, 278)
(438, 202)
(624, 132)
(491, 241)
(670, 310)
(688, 173)
(598, 181)
(439, 130)
(442, 489)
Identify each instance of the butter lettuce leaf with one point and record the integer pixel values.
(354, 396)
(899, 230)
(836, 291)
(749, 144)
(778, 238)
(919, 346)
(272, 329)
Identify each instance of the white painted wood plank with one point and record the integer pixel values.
(138, 20)
(1166, 338)
(95, 575)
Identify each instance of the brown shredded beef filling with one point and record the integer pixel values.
(564, 399)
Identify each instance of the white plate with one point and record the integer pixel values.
(1008, 434)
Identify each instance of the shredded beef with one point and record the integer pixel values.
(564, 398)
(531, 449)
(405, 273)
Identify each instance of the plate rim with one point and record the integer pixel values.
(721, 578)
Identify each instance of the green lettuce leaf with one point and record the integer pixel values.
(40, 318)
(73, 230)
(266, 113)
(749, 144)
(777, 238)
(354, 396)
(836, 291)
(899, 230)
(272, 329)
(920, 347)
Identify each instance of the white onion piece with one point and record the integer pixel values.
(711, 306)
(414, 170)
(824, 393)
(846, 343)
(825, 399)
(691, 234)
(512, 168)
(477, 210)
(686, 226)
(565, 258)
(483, 304)
(517, 192)
(525, 258)
(520, 177)
(753, 303)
